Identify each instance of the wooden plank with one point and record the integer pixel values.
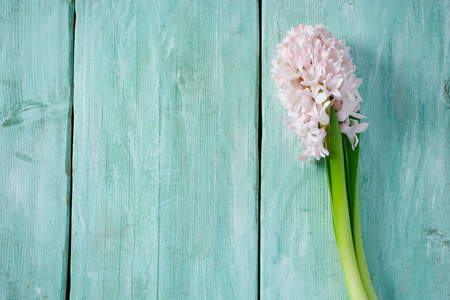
(165, 150)
(35, 114)
(401, 50)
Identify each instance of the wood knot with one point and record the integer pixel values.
(446, 93)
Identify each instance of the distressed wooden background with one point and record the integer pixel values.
(143, 153)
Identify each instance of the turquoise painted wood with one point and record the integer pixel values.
(165, 151)
(401, 50)
(165, 161)
(35, 112)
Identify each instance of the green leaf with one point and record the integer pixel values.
(351, 174)
(351, 162)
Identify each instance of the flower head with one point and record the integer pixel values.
(313, 71)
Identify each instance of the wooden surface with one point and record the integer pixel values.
(165, 151)
(35, 102)
(401, 50)
(165, 191)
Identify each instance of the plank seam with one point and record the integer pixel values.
(260, 132)
(70, 170)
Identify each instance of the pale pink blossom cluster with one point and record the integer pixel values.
(312, 71)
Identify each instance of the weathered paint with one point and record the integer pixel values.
(401, 50)
(165, 152)
(165, 190)
(35, 101)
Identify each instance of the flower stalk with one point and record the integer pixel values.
(351, 167)
(342, 175)
(340, 210)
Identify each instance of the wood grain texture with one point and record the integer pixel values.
(401, 50)
(165, 150)
(35, 103)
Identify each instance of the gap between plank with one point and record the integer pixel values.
(69, 168)
(260, 132)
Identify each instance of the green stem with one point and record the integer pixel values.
(340, 211)
(352, 158)
(359, 250)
